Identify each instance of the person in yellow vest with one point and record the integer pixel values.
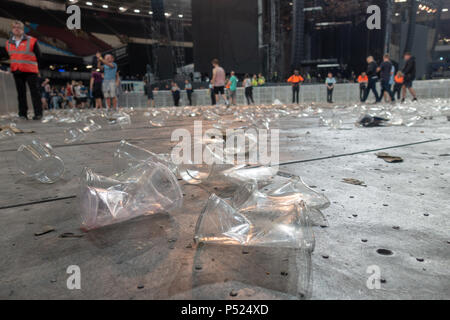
(261, 80)
(24, 53)
(255, 81)
(399, 79)
(295, 81)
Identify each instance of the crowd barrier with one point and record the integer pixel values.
(343, 93)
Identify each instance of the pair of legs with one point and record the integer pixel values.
(249, 95)
(330, 95)
(362, 92)
(176, 99)
(408, 85)
(150, 103)
(213, 98)
(114, 102)
(109, 92)
(21, 79)
(189, 96)
(233, 97)
(372, 85)
(220, 92)
(295, 93)
(98, 103)
(386, 91)
(397, 90)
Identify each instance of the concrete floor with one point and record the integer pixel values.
(405, 208)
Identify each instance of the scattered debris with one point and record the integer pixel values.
(388, 158)
(368, 121)
(71, 235)
(45, 230)
(284, 273)
(355, 182)
(385, 252)
(233, 293)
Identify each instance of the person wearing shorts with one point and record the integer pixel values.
(409, 72)
(110, 79)
(218, 81)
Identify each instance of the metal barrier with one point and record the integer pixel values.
(343, 93)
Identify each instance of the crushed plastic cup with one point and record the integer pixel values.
(278, 226)
(158, 120)
(128, 155)
(74, 135)
(91, 126)
(6, 134)
(145, 189)
(37, 160)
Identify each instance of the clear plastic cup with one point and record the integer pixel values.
(74, 135)
(144, 189)
(37, 160)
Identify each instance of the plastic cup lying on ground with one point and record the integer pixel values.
(6, 134)
(74, 135)
(144, 189)
(37, 160)
(128, 155)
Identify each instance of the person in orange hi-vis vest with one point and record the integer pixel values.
(24, 54)
(295, 81)
(399, 80)
(363, 79)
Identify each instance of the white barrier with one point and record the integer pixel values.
(343, 93)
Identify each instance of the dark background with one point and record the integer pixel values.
(226, 30)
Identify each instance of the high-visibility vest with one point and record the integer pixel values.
(254, 82)
(261, 81)
(295, 79)
(399, 79)
(23, 58)
(363, 79)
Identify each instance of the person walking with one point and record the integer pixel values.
(218, 81)
(175, 94)
(189, 90)
(330, 81)
(385, 70)
(233, 87)
(373, 78)
(247, 84)
(363, 81)
(148, 91)
(110, 79)
(409, 72)
(24, 54)
(398, 79)
(96, 88)
(295, 81)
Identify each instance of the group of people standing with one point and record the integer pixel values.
(392, 82)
